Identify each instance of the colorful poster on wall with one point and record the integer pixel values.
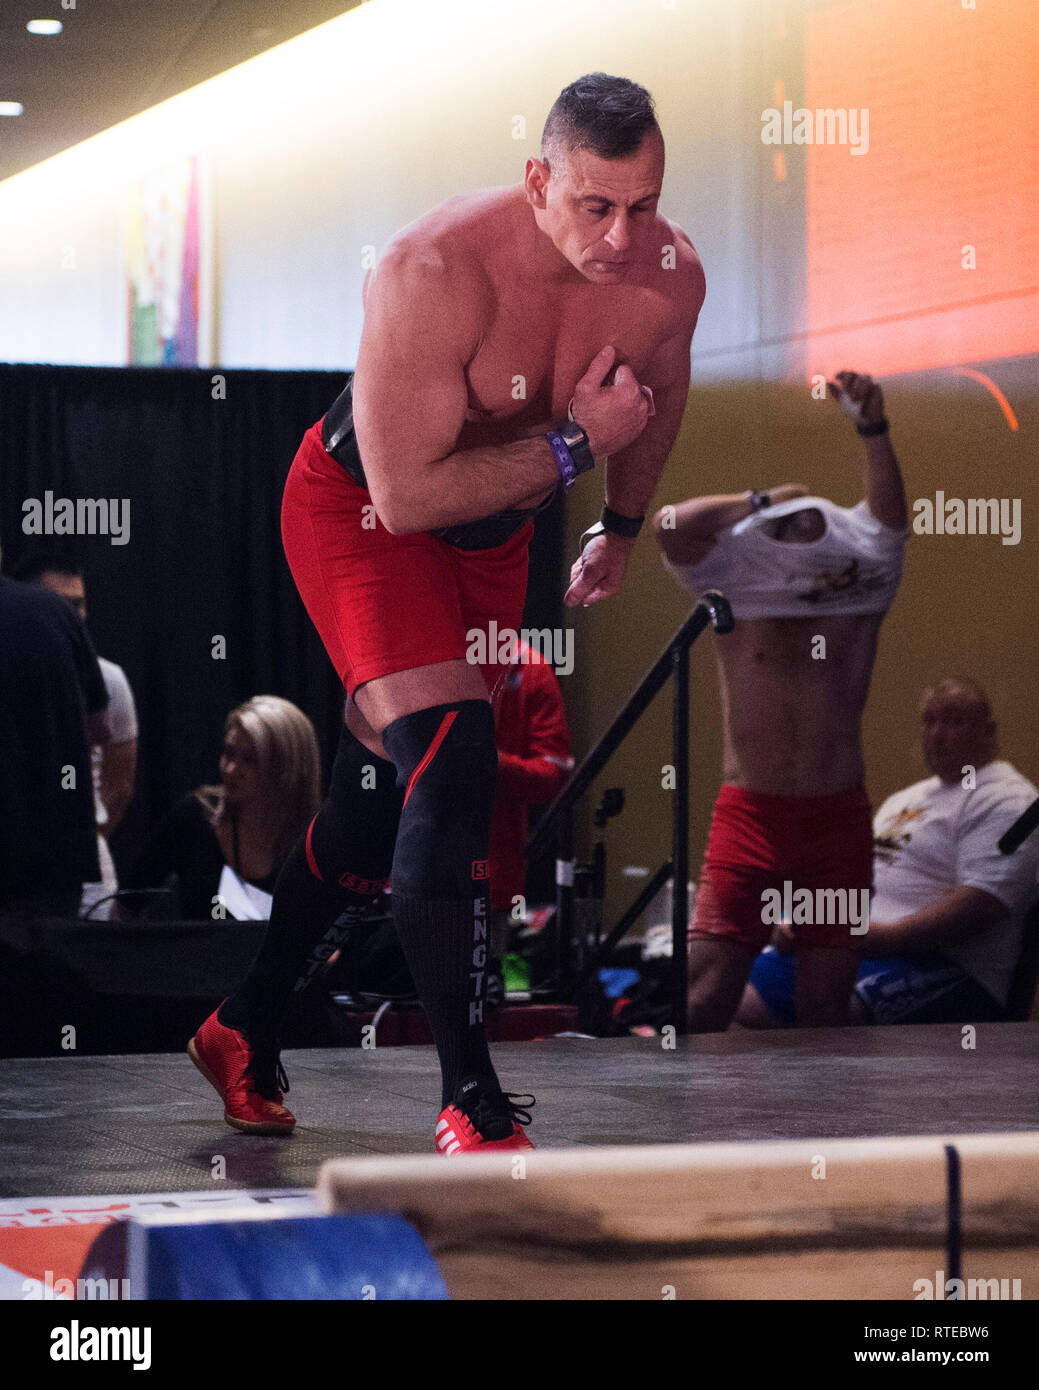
(167, 294)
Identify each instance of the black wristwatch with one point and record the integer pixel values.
(759, 501)
(576, 441)
(572, 454)
(620, 525)
(613, 523)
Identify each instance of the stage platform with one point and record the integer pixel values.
(99, 1125)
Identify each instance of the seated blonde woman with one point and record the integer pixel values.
(225, 844)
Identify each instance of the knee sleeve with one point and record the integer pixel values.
(447, 764)
(350, 842)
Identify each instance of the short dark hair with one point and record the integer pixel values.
(608, 115)
(961, 689)
(30, 566)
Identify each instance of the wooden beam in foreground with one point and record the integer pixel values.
(825, 1218)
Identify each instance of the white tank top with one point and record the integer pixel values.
(854, 567)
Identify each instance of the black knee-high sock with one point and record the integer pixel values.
(334, 872)
(447, 758)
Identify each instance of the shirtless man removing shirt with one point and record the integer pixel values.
(809, 584)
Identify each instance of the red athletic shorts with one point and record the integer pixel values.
(760, 842)
(384, 603)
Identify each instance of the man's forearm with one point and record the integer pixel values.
(703, 517)
(950, 920)
(631, 480)
(632, 474)
(883, 485)
(468, 485)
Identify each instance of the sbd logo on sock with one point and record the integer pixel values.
(481, 869)
(367, 887)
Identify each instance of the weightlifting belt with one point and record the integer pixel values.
(340, 441)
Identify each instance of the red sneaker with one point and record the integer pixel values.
(484, 1121)
(247, 1081)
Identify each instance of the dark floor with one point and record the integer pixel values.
(84, 1125)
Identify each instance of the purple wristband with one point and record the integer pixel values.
(564, 459)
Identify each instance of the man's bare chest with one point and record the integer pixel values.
(530, 359)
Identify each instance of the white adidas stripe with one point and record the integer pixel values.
(447, 1143)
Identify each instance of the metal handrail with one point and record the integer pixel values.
(712, 608)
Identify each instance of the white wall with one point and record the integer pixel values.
(334, 140)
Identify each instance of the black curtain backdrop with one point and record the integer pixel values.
(202, 455)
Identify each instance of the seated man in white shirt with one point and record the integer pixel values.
(947, 910)
(809, 584)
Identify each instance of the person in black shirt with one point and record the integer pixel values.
(52, 704)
